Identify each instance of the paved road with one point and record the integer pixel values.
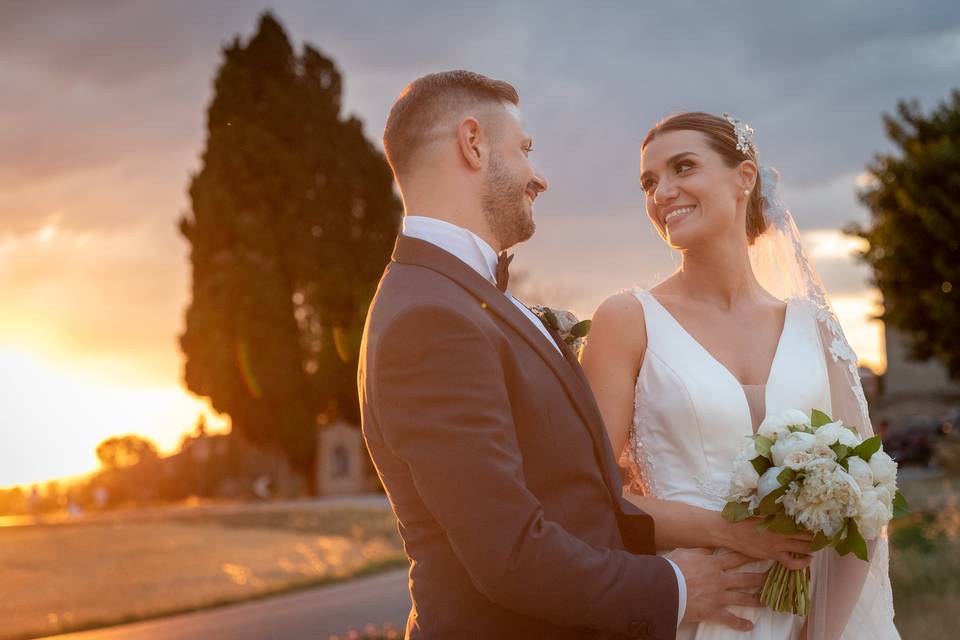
(312, 614)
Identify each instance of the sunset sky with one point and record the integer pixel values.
(102, 121)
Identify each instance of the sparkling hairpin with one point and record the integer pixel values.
(744, 134)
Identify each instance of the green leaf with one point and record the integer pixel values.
(819, 541)
(855, 542)
(819, 418)
(838, 540)
(581, 329)
(900, 507)
(551, 318)
(735, 511)
(761, 464)
(763, 526)
(867, 448)
(762, 445)
(782, 523)
(841, 450)
(786, 476)
(769, 506)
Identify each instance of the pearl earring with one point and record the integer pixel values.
(746, 192)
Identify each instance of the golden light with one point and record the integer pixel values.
(53, 420)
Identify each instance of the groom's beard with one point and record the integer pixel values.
(505, 206)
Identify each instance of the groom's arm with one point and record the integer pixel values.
(440, 398)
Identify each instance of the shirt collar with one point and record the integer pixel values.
(462, 243)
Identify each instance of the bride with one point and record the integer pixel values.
(683, 371)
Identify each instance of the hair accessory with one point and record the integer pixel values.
(744, 134)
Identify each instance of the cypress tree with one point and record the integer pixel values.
(292, 218)
(914, 234)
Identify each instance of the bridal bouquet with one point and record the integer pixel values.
(816, 475)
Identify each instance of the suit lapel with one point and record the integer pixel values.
(567, 369)
(603, 449)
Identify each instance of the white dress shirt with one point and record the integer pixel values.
(480, 256)
(471, 249)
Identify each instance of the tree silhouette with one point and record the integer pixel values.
(292, 219)
(120, 452)
(914, 236)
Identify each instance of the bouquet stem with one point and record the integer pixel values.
(787, 590)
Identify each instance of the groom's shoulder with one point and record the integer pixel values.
(409, 289)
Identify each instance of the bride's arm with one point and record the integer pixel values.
(611, 360)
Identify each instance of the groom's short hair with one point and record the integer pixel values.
(423, 103)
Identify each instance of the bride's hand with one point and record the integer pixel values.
(744, 537)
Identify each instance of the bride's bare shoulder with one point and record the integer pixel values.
(619, 319)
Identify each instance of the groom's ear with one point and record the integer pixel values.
(472, 142)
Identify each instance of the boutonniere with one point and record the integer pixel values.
(570, 329)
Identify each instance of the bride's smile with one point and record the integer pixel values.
(672, 213)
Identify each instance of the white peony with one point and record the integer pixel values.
(768, 482)
(875, 513)
(795, 442)
(825, 499)
(798, 460)
(884, 468)
(824, 452)
(860, 471)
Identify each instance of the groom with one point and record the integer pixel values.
(480, 423)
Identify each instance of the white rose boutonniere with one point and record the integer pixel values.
(570, 329)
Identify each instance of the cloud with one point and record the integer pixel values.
(104, 114)
(108, 303)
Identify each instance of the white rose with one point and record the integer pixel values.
(885, 494)
(565, 319)
(797, 441)
(860, 471)
(828, 434)
(848, 438)
(795, 418)
(749, 450)
(772, 429)
(875, 513)
(743, 480)
(768, 482)
(884, 468)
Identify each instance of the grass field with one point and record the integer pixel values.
(77, 576)
(925, 561)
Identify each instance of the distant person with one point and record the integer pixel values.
(33, 502)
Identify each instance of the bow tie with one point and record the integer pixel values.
(503, 270)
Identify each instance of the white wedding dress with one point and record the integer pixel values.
(691, 415)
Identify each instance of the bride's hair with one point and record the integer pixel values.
(722, 138)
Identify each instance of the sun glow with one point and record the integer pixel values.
(52, 420)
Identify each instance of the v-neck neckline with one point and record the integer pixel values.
(773, 362)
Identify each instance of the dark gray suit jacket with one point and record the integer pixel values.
(494, 456)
